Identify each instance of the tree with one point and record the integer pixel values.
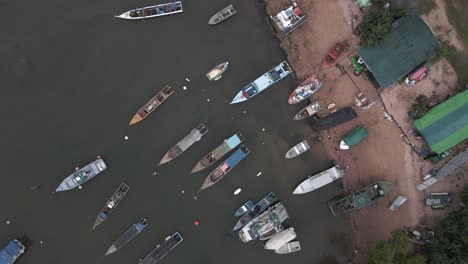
(383, 253)
(377, 24)
(397, 250)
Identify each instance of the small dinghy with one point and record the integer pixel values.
(305, 89)
(153, 11)
(152, 104)
(297, 150)
(222, 15)
(215, 73)
(290, 247)
(244, 209)
(309, 110)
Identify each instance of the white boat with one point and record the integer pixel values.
(280, 239)
(215, 73)
(297, 150)
(153, 11)
(289, 248)
(82, 175)
(309, 110)
(222, 15)
(319, 180)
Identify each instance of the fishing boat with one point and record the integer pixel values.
(309, 110)
(280, 239)
(163, 249)
(222, 15)
(10, 253)
(210, 158)
(82, 175)
(215, 73)
(153, 11)
(305, 89)
(261, 206)
(127, 236)
(336, 51)
(225, 167)
(290, 247)
(319, 180)
(333, 119)
(297, 150)
(361, 198)
(262, 224)
(152, 104)
(244, 209)
(194, 136)
(271, 232)
(111, 204)
(261, 83)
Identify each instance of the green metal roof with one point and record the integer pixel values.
(409, 44)
(445, 125)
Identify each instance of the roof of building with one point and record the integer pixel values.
(409, 44)
(445, 125)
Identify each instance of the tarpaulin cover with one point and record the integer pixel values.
(334, 119)
(355, 136)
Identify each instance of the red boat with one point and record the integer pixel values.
(333, 54)
(417, 75)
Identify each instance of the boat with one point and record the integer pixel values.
(337, 50)
(261, 83)
(399, 201)
(82, 175)
(10, 253)
(361, 198)
(225, 167)
(215, 73)
(297, 150)
(261, 206)
(439, 201)
(288, 19)
(353, 137)
(244, 209)
(153, 11)
(309, 110)
(290, 247)
(280, 239)
(222, 15)
(132, 232)
(194, 136)
(305, 89)
(163, 249)
(417, 75)
(152, 104)
(334, 119)
(270, 233)
(420, 236)
(264, 223)
(210, 158)
(111, 204)
(319, 180)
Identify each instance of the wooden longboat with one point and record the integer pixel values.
(111, 204)
(152, 104)
(309, 110)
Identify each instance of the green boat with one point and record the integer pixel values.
(353, 137)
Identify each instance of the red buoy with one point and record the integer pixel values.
(77, 168)
(98, 157)
(196, 222)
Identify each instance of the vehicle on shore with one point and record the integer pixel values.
(309, 110)
(244, 209)
(194, 136)
(319, 180)
(331, 57)
(305, 89)
(12, 251)
(132, 232)
(261, 206)
(215, 73)
(111, 204)
(152, 104)
(153, 11)
(82, 175)
(290, 247)
(163, 249)
(222, 15)
(297, 150)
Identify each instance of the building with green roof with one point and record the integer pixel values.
(445, 125)
(410, 44)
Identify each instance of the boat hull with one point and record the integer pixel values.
(126, 237)
(194, 136)
(111, 204)
(290, 247)
(216, 73)
(222, 15)
(309, 110)
(319, 180)
(82, 175)
(261, 206)
(162, 249)
(297, 150)
(244, 209)
(308, 87)
(153, 11)
(152, 105)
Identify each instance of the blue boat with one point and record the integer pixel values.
(225, 167)
(11, 252)
(127, 236)
(244, 209)
(261, 206)
(163, 249)
(82, 175)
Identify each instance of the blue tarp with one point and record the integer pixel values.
(11, 252)
(235, 158)
(233, 141)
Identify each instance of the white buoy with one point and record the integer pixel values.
(263, 129)
(208, 99)
(7, 222)
(245, 112)
(236, 192)
(80, 187)
(41, 242)
(182, 191)
(126, 138)
(185, 87)
(187, 79)
(258, 174)
(195, 198)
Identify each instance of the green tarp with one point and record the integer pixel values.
(353, 137)
(409, 44)
(363, 3)
(445, 125)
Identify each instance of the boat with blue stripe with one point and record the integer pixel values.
(11, 252)
(127, 236)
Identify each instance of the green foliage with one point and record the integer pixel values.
(418, 109)
(440, 53)
(397, 250)
(377, 24)
(425, 6)
(383, 253)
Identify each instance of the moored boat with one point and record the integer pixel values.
(111, 204)
(10, 253)
(262, 224)
(194, 136)
(244, 209)
(222, 15)
(280, 239)
(215, 73)
(305, 89)
(163, 249)
(297, 150)
(319, 180)
(152, 104)
(309, 110)
(153, 11)
(225, 167)
(132, 232)
(271, 232)
(337, 50)
(261, 83)
(261, 206)
(290, 247)
(82, 175)
(210, 158)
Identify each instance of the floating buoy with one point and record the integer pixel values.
(182, 191)
(185, 87)
(263, 129)
(98, 157)
(80, 187)
(126, 138)
(7, 222)
(208, 99)
(236, 192)
(187, 79)
(196, 222)
(258, 174)
(77, 168)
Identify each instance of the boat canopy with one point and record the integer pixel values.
(233, 141)
(235, 158)
(353, 137)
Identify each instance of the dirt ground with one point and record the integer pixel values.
(383, 155)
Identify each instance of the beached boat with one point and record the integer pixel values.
(272, 232)
(111, 204)
(163, 249)
(305, 89)
(417, 75)
(297, 150)
(334, 119)
(194, 136)
(290, 247)
(353, 137)
(337, 50)
(222, 15)
(152, 104)
(225, 167)
(361, 198)
(244, 209)
(210, 158)
(261, 83)
(82, 175)
(264, 223)
(319, 180)
(10, 253)
(309, 110)
(280, 239)
(261, 206)
(153, 11)
(127, 236)
(215, 73)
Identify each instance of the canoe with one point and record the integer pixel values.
(82, 175)
(153, 11)
(290, 247)
(152, 104)
(353, 138)
(244, 209)
(222, 15)
(309, 110)
(337, 50)
(319, 180)
(194, 136)
(215, 73)
(111, 204)
(305, 89)
(297, 150)
(132, 232)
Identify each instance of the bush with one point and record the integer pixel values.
(377, 24)
(440, 53)
(397, 250)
